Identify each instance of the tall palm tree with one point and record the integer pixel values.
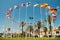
(8, 29)
(22, 24)
(49, 19)
(45, 31)
(38, 24)
(30, 29)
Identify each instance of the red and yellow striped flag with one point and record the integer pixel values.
(53, 10)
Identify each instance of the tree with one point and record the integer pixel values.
(45, 31)
(59, 28)
(30, 29)
(49, 19)
(38, 24)
(22, 24)
(37, 32)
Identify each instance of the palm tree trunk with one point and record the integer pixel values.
(39, 30)
(45, 34)
(50, 29)
(22, 30)
(39, 33)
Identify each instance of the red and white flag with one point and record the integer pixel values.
(54, 15)
(22, 4)
(7, 13)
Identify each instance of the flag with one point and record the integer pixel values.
(10, 9)
(22, 4)
(53, 10)
(36, 4)
(28, 3)
(15, 6)
(54, 15)
(7, 13)
(50, 7)
(44, 5)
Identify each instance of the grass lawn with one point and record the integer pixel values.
(29, 38)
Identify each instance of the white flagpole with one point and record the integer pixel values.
(33, 16)
(41, 16)
(19, 18)
(52, 23)
(26, 18)
(12, 21)
(46, 16)
(5, 26)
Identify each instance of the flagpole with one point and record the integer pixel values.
(41, 15)
(33, 16)
(19, 17)
(5, 26)
(46, 16)
(12, 21)
(26, 15)
(26, 18)
(52, 23)
(8, 27)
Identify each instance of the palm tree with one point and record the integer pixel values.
(38, 24)
(22, 24)
(8, 29)
(37, 32)
(30, 29)
(59, 28)
(49, 19)
(45, 31)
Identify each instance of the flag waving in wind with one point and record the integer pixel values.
(36, 4)
(28, 3)
(54, 15)
(44, 5)
(15, 6)
(53, 10)
(22, 4)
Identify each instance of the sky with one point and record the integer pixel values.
(6, 4)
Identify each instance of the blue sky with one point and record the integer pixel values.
(6, 4)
